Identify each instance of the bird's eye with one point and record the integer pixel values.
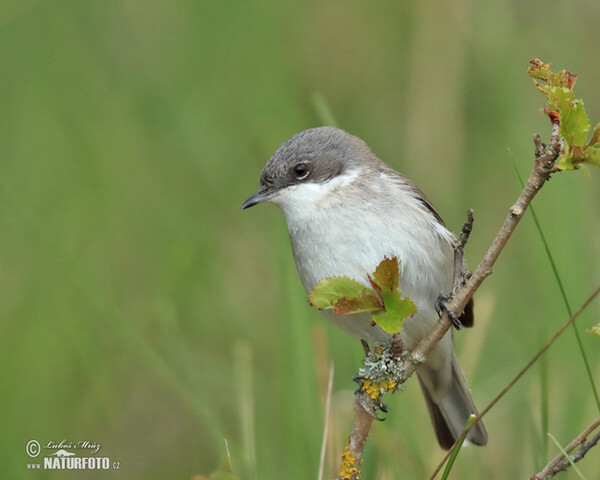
(267, 178)
(300, 171)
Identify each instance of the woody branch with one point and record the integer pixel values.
(545, 158)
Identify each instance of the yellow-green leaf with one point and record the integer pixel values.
(574, 123)
(558, 98)
(343, 295)
(542, 71)
(366, 302)
(568, 112)
(565, 163)
(346, 296)
(387, 274)
(397, 310)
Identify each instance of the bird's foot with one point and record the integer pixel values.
(441, 305)
(370, 404)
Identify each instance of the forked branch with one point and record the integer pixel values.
(544, 166)
(545, 158)
(560, 462)
(517, 377)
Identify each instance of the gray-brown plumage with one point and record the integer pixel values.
(346, 210)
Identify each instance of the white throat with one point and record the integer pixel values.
(347, 225)
(302, 202)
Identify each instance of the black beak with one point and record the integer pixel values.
(262, 194)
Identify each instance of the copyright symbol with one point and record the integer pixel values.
(33, 448)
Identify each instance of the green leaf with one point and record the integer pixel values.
(330, 289)
(541, 71)
(565, 163)
(559, 98)
(574, 123)
(397, 309)
(367, 302)
(562, 108)
(387, 274)
(385, 281)
(344, 296)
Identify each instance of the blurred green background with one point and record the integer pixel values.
(142, 310)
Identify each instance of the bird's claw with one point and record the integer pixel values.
(370, 405)
(441, 305)
(365, 346)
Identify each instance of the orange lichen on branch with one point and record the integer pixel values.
(376, 389)
(348, 468)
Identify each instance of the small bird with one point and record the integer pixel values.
(346, 210)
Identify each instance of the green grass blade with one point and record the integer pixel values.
(567, 456)
(562, 291)
(455, 452)
(543, 364)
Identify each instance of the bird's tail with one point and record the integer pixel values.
(450, 412)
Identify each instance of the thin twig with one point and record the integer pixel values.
(543, 168)
(520, 374)
(459, 248)
(563, 293)
(545, 158)
(579, 454)
(560, 462)
(364, 406)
